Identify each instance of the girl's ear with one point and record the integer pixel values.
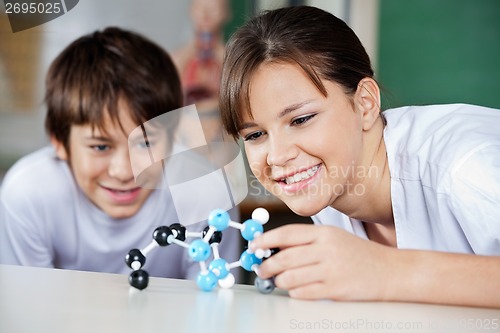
(367, 101)
(60, 148)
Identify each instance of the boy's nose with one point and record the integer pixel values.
(120, 167)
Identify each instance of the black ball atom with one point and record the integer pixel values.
(161, 234)
(181, 231)
(139, 279)
(264, 286)
(216, 237)
(135, 255)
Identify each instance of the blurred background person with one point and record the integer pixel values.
(199, 63)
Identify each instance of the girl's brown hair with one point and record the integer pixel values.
(320, 43)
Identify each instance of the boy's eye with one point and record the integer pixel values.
(253, 136)
(145, 144)
(302, 120)
(100, 147)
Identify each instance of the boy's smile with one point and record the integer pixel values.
(123, 196)
(100, 163)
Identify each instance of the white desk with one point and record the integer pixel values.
(38, 300)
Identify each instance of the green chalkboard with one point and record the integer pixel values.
(241, 11)
(439, 51)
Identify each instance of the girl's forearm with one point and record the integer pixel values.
(445, 278)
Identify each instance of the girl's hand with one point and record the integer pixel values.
(326, 262)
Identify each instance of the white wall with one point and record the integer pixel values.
(360, 15)
(166, 22)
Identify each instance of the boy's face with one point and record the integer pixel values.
(101, 166)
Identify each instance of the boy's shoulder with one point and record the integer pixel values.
(39, 172)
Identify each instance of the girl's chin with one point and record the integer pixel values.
(304, 212)
(301, 205)
(303, 208)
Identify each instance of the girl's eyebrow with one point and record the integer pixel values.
(246, 125)
(283, 113)
(292, 108)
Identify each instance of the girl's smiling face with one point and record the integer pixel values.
(304, 147)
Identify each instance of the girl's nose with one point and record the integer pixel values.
(280, 151)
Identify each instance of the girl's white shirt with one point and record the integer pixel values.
(444, 162)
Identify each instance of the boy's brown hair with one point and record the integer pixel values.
(88, 79)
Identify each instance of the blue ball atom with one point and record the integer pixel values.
(248, 260)
(219, 219)
(219, 268)
(199, 250)
(251, 227)
(206, 281)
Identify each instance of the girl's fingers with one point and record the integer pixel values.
(286, 236)
(300, 276)
(287, 259)
(311, 291)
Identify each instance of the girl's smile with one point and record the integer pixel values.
(314, 150)
(295, 137)
(296, 181)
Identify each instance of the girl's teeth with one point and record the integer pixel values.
(301, 175)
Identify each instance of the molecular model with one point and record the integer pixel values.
(201, 249)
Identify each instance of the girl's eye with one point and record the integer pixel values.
(253, 136)
(301, 120)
